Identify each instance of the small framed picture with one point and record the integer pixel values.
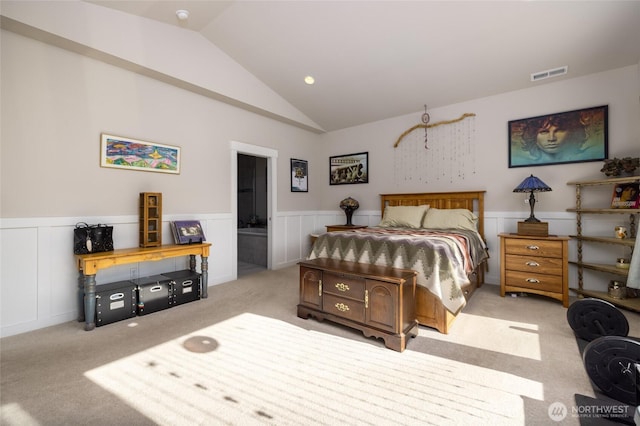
(187, 232)
(299, 175)
(626, 196)
(348, 169)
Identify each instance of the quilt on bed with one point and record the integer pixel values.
(442, 258)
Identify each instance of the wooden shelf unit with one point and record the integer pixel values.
(632, 304)
(150, 219)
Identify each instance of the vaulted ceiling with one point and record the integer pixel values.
(373, 60)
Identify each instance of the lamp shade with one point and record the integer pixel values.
(532, 184)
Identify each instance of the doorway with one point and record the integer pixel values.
(252, 221)
(253, 197)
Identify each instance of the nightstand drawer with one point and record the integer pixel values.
(343, 285)
(533, 247)
(542, 282)
(534, 265)
(345, 308)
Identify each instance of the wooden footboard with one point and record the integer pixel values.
(429, 309)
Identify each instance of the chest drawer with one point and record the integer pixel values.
(345, 308)
(536, 265)
(533, 247)
(343, 285)
(541, 282)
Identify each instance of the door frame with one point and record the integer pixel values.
(272, 196)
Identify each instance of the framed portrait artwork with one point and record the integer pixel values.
(299, 175)
(132, 154)
(564, 137)
(348, 169)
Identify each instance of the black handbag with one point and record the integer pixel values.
(92, 238)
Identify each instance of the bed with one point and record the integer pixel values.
(450, 259)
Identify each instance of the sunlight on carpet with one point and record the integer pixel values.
(507, 337)
(258, 370)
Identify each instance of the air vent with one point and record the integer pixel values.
(541, 75)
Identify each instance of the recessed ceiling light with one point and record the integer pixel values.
(309, 80)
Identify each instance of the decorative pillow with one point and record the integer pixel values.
(450, 218)
(403, 216)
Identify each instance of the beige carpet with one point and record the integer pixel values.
(242, 356)
(251, 369)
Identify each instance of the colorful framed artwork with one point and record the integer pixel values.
(626, 196)
(348, 169)
(565, 137)
(299, 175)
(132, 154)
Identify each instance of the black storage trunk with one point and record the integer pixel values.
(155, 293)
(186, 286)
(115, 302)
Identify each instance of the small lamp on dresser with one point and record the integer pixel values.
(532, 225)
(349, 205)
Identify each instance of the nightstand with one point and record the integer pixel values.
(532, 264)
(333, 228)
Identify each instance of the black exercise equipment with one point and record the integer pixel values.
(611, 359)
(593, 318)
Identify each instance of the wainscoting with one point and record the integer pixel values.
(39, 279)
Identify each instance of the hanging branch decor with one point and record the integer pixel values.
(428, 126)
(449, 158)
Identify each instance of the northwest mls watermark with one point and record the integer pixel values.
(558, 411)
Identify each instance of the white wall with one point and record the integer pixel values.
(55, 103)
(617, 88)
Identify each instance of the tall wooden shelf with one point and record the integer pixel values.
(150, 219)
(632, 304)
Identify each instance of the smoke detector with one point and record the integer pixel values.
(182, 14)
(541, 75)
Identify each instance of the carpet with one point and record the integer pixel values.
(252, 369)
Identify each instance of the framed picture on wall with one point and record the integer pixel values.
(132, 154)
(565, 137)
(299, 175)
(348, 169)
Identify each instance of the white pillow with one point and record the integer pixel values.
(450, 218)
(403, 216)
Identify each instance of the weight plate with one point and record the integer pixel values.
(593, 318)
(610, 362)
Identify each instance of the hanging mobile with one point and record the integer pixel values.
(425, 120)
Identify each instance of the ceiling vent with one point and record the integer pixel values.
(541, 75)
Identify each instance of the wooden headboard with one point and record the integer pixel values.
(470, 200)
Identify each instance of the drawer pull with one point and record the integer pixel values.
(533, 247)
(532, 280)
(320, 288)
(532, 263)
(342, 307)
(366, 299)
(342, 287)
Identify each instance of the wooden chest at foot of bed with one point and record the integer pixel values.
(379, 301)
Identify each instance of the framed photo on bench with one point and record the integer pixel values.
(187, 231)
